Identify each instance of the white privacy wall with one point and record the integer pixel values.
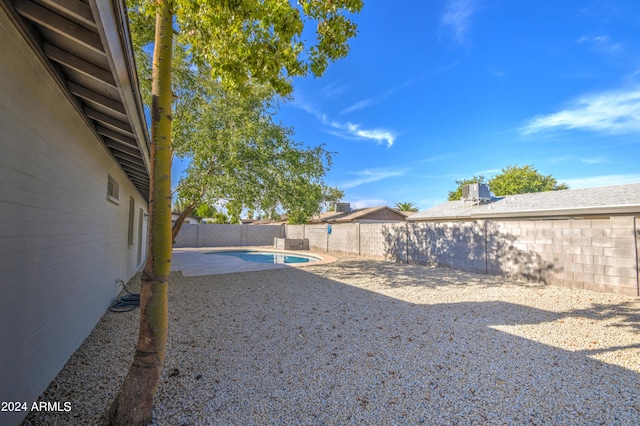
(63, 245)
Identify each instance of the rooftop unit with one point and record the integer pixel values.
(476, 192)
(343, 207)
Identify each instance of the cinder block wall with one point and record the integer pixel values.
(188, 236)
(594, 254)
(318, 236)
(343, 238)
(373, 241)
(218, 235)
(597, 254)
(294, 231)
(62, 243)
(263, 235)
(459, 245)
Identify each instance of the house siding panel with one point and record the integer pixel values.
(61, 240)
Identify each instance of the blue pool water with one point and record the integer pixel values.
(266, 257)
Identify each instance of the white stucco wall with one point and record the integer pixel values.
(63, 245)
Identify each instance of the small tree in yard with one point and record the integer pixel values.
(240, 42)
(239, 153)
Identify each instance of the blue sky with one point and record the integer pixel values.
(436, 91)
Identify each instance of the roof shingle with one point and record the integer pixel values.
(601, 200)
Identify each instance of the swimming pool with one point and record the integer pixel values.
(268, 257)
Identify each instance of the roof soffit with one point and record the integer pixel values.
(85, 47)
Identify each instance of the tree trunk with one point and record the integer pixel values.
(134, 403)
(180, 220)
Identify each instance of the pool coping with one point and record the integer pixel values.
(196, 261)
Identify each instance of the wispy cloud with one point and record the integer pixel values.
(362, 104)
(593, 160)
(369, 202)
(374, 100)
(555, 160)
(609, 112)
(605, 180)
(300, 103)
(435, 158)
(455, 19)
(371, 175)
(601, 43)
(488, 172)
(333, 91)
(347, 130)
(355, 131)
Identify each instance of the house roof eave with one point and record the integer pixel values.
(95, 70)
(539, 214)
(115, 31)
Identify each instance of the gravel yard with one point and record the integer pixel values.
(368, 342)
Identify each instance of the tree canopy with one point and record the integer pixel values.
(237, 151)
(522, 180)
(244, 41)
(513, 180)
(239, 154)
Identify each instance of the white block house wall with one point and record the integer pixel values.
(63, 243)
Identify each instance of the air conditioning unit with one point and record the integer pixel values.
(478, 192)
(343, 207)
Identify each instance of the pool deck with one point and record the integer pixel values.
(199, 261)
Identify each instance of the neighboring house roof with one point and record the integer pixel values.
(175, 216)
(606, 200)
(283, 219)
(87, 49)
(373, 214)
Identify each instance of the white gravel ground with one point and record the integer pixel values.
(367, 342)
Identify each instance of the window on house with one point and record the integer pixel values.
(140, 223)
(112, 190)
(132, 207)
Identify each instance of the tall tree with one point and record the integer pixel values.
(523, 180)
(241, 41)
(239, 153)
(308, 200)
(134, 402)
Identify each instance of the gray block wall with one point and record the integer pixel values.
(373, 242)
(294, 231)
(459, 245)
(594, 254)
(597, 254)
(218, 235)
(343, 238)
(318, 237)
